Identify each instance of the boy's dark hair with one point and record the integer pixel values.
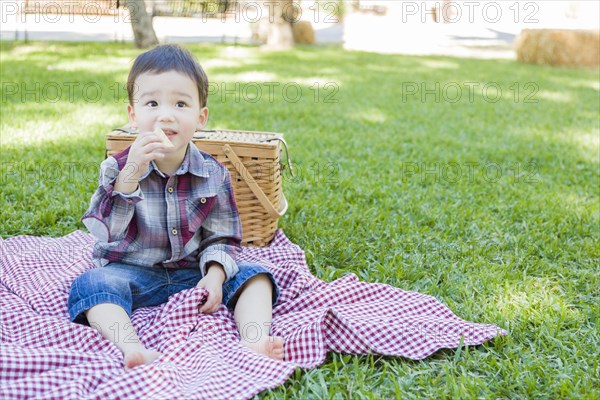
(169, 57)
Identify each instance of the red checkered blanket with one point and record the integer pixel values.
(45, 355)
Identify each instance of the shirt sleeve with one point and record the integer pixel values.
(110, 212)
(222, 231)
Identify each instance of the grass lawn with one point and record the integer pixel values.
(474, 181)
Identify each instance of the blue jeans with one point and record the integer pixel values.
(132, 287)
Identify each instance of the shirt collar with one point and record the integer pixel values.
(193, 162)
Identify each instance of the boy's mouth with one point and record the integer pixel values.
(169, 132)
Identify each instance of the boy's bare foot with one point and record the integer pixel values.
(140, 357)
(271, 347)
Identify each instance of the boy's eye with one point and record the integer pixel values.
(181, 104)
(152, 103)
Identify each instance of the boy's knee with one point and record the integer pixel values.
(263, 282)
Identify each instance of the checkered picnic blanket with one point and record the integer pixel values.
(44, 355)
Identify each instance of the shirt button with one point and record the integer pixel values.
(129, 201)
(174, 231)
(203, 200)
(170, 190)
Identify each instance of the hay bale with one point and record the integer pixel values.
(303, 32)
(559, 47)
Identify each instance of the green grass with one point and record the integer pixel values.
(491, 207)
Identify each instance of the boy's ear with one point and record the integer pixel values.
(131, 115)
(203, 118)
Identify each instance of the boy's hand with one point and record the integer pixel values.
(213, 283)
(146, 147)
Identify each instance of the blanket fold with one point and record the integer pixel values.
(43, 354)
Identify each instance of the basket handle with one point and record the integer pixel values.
(258, 192)
(287, 155)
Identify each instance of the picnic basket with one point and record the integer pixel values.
(254, 162)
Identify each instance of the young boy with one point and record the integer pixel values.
(165, 219)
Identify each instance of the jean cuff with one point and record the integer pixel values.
(76, 311)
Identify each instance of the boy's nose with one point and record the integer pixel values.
(166, 114)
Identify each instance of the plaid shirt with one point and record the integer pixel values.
(179, 221)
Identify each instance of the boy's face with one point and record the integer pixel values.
(169, 101)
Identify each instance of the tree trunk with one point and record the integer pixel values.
(280, 14)
(141, 23)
